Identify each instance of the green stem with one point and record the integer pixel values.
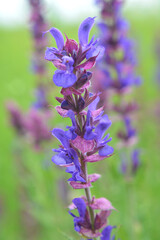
(89, 197)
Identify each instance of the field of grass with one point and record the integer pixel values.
(30, 205)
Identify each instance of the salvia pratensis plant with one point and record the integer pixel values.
(84, 141)
(115, 77)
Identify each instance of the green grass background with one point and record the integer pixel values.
(30, 206)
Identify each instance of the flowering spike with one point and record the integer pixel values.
(84, 140)
(116, 75)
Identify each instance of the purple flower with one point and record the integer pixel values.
(128, 137)
(71, 134)
(132, 163)
(41, 101)
(131, 132)
(97, 135)
(36, 127)
(16, 118)
(123, 166)
(66, 156)
(68, 57)
(135, 160)
(75, 174)
(106, 233)
(82, 222)
(83, 219)
(65, 78)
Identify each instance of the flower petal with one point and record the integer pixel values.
(50, 54)
(84, 30)
(62, 159)
(103, 125)
(81, 206)
(106, 233)
(93, 105)
(97, 51)
(64, 79)
(60, 135)
(58, 37)
(97, 112)
(106, 150)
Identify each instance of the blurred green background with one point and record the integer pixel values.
(30, 203)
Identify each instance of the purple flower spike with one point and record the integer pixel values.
(84, 30)
(106, 233)
(85, 140)
(58, 37)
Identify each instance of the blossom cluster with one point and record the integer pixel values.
(116, 76)
(30, 125)
(85, 141)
